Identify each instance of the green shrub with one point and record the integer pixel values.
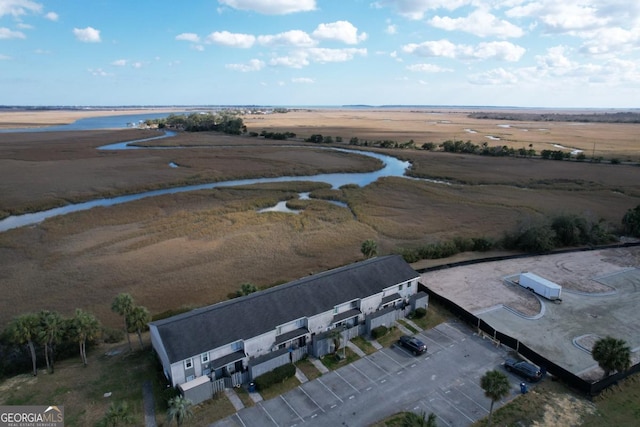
(379, 332)
(276, 376)
(112, 336)
(420, 312)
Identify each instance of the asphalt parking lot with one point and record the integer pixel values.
(445, 381)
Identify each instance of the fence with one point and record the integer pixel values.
(588, 388)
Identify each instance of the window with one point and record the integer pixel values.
(300, 323)
(191, 378)
(400, 287)
(188, 363)
(236, 346)
(204, 357)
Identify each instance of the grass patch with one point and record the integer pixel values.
(408, 326)
(243, 394)
(207, 412)
(391, 337)
(617, 406)
(436, 314)
(276, 390)
(549, 403)
(308, 369)
(333, 363)
(364, 345)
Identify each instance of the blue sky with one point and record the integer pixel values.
(528, 53)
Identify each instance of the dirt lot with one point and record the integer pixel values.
(599, 297)
(195, 249)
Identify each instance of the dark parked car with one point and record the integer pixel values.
(524, 369)
(413, 344)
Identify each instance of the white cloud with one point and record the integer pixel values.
(119, 62)
(6, 33)
(503, 51)
(18, 8)
(188, 37)
(225, 38)
(24, 26)
(271, 7)
(297, 59)
(137, 65)
(391, 29)
(99, 72)
(87, 35)
(289, 38)
(305, 80)
(51, 16)
(252, 65)
(4, 57)
(565, 16)
(416, 9)
(342, 31)
(323, 55)
(614, 40)
(480, 23)
(302, 58)
(427, 68)
(496, 77)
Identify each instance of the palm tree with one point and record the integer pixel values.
(179, 409)
(50, 331)
(23, 330)
(414, 420)
(117, 414)
(496, 386)
(138, 320)
(369, 248)
(123, 305)
(611, 354)
(85, 327)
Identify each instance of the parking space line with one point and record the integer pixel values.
(350, 385)
(240, 419)
(398, 363)
(453, 405)
(365, 375)
(291, 407)
(433, 341)
(330, 391)
(473, 400)
(443, 334)
(268, 414)
(311, 398)
(378, 366)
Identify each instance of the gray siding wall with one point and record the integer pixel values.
(265, 366)
(383, 318)
(199, 394)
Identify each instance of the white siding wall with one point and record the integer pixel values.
(177, 373)
(370, 304)
(320, 322)
(290, 326)
(156, 343)
(260, 345)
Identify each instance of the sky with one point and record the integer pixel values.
(523, 53)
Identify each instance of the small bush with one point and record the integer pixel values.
(420, 312)
(378, 332)
(276, 376)
(112, 336)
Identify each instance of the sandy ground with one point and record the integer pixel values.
(599, 297)
(42, 118)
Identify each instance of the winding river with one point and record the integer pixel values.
(391, 167)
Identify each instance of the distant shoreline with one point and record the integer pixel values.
(43, 116)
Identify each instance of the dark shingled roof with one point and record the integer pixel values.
(203, 329)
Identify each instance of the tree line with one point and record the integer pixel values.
(544, 235)
(51, 335)
(225, 121)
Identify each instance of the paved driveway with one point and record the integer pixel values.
(445, 381)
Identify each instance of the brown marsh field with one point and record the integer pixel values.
(192, 249)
